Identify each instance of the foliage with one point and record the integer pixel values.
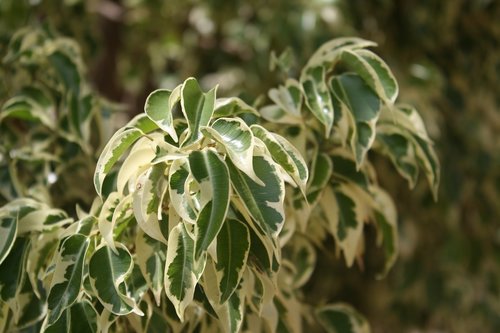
(446, 58)
(206, 218)
(51, 122)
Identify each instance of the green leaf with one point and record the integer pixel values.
(180, 279)
(67, 69)
(107, 271)
(212, 175)
(374, 72)
(150, 256)
(8, 233)
(318, 98)
(197, 108)
(68, 275)
(341, 318)
(364, 105)
(238, 141)
(264, 203)
(159, 106)
(285, 154)
(233, 245)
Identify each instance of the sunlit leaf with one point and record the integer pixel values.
(212, 175)
(197, 108)
(233, 245)
(180, 280)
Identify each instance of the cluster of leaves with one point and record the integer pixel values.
(210, 221)
(448, 279)
(50, 121)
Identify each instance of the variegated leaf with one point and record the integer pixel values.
(288, 97)
(12, 270)
(43, 246)
(107, 271)
(148, 197)
(158, 107)
(42, 220)
(374, 72)
(428, 160)
(285, 154)
(27, 108)
(81, 317)
(320, 176)
(180, 279)
(178, 189)
(290, 313)
(112, 152)
(197, 108)
(263, 203)
(233, 245)
(8, 233)
(231, 313)
(304, 260)
(406, 121)
(345, 169)
(232, 106)
(137, 161)
(400, 151)
(212, 175)
(105, 221)
(385, 216)
(275, 114)
(238, 141)
(29, 309)
(341, 318)
(346, 212)
(330, 51)
(68, 275)
(317, 97)
(150, 256)
(364, 105)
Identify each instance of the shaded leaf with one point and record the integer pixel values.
(68, 275)
(107, 271)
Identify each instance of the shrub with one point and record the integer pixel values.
(208, 216)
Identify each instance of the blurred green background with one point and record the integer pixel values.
(446, 57)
